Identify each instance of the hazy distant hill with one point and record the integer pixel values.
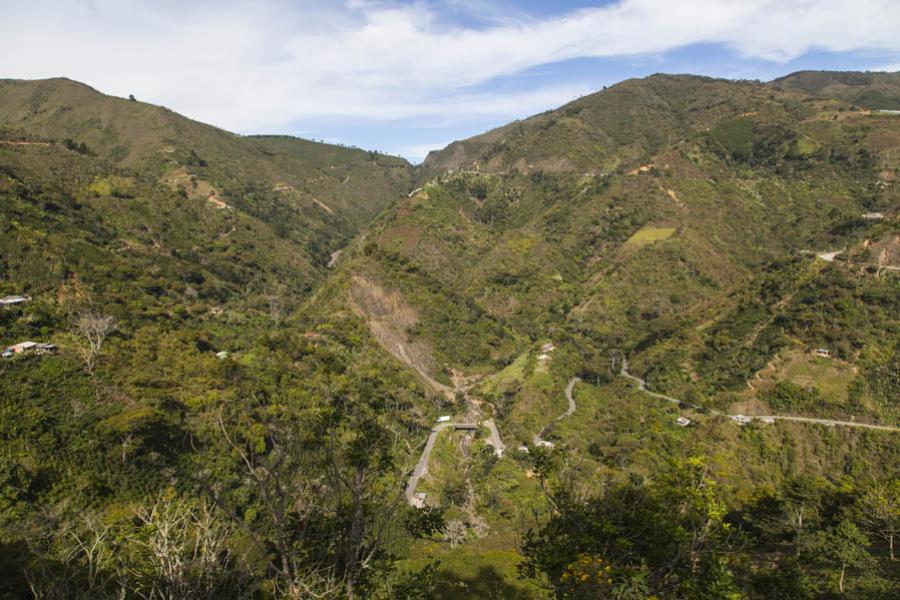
(868, 90)
(353, 184)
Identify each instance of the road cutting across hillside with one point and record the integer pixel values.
(642, 386)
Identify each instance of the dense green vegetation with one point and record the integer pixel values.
(234, 406)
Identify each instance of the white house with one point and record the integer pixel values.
(443, 419)
(740, 419)
(13, 300)
(683, 421)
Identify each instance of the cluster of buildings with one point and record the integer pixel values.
(22, 348)
(27, 348)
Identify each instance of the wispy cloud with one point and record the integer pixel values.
(271, 63)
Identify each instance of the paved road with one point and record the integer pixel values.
(568, 413)
(422, 465)
(494, 440)
(642, 386)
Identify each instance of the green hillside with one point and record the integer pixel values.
(286, 181)
(255, 334)
(872, 90)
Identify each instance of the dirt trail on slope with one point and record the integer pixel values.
(40, 144)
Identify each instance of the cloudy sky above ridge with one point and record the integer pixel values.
(409, 76)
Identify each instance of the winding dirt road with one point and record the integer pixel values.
(568, 413)
(642, 386)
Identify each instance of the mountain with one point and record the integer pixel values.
(872, 90)
(282, 371)
(674, 221)
(295, 184)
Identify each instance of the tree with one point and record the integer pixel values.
(424, 522)
(802, 499)
(786, 581)
(132, 98)
(183, 550)
(879, 512)
(843, 544)
(92, 330)
(312, 485)
(666, 534)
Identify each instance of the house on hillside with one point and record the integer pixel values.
(548, 347)
(873, 216)
(13, 300)
(27, 348)
(682, 421)
(822, 352)
(740, 419)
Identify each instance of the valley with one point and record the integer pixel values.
(651, 334)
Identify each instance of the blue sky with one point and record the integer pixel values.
(409, 76)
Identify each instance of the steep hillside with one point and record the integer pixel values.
(155, 264)
(877, 91)
(615, 130)
(291, 183)
(742, 177)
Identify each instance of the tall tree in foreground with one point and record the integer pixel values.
(842, 545)
(666, 536)
(879, 512)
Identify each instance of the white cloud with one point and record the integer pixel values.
(265, 65)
